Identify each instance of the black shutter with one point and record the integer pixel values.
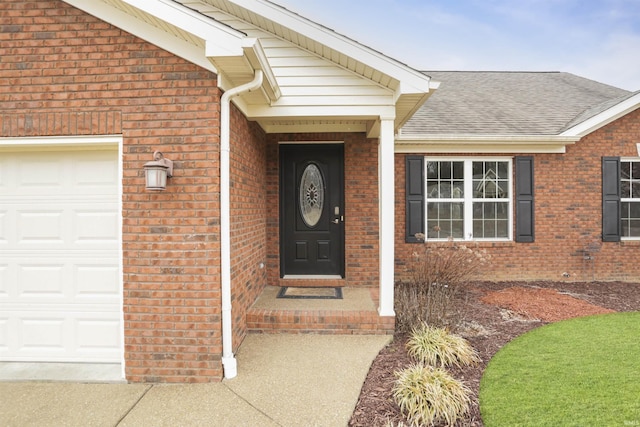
(525, 208)
(611, 226)
(414, 197)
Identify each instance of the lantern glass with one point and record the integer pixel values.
(156, 176)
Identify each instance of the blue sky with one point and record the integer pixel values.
(597, 39)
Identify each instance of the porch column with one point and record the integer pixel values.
(386, 196)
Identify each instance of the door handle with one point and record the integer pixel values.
(336, 221)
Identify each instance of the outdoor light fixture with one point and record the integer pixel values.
(157, 172)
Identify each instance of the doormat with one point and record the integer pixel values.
(310, 293)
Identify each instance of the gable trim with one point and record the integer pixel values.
(412, 81)
(600, 120)
(147, 32)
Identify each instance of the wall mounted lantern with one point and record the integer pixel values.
(157, 171)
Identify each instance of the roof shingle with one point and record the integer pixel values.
(509, 103)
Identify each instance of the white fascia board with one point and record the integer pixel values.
(413, 81)
(257, 57)
(220, 39)
(314, 112)
(604, 118)
(483, 144)
(151, 34)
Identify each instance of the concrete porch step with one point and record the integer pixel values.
(355, 314)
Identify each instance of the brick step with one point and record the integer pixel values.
(356, 313)
(320, 321)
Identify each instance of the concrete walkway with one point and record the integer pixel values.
(283, 380)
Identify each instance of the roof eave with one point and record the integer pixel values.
(484, 144)
(604, 118)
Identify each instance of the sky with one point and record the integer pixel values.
(596, 39)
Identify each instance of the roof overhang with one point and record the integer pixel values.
(604, 118)
(178, 27)
(484, 144)
(228, 53)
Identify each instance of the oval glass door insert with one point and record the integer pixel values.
(311, 195)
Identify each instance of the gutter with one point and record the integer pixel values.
(229, 363)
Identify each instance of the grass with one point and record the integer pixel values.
(580, 372)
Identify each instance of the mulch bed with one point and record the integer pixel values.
(496, 314)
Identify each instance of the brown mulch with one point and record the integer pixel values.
(495, 314)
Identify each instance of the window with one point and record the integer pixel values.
(630, 198)
(468, 199)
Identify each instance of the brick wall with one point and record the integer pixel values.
(361, 206)
(66, 73)
(568, 209)
(248, 218)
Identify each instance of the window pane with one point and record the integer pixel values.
(458, 170)
(432, 170)
(625, 189)
(490, 180)
(490, 220)
(635, 189)
(445, 180)
(635, 170)
(625, 170)
(445, 170)
(503, 170)
(491, 190)
(630, 219)
(444, 220)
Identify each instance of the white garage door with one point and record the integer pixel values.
(60, 298)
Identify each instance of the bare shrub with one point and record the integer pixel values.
(438, 275)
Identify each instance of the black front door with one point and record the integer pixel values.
(312, 209)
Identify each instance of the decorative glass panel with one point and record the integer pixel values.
(311, 195)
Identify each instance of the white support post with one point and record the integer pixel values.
(386, 192)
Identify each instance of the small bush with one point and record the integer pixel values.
(437, 276)
(427, 395)
(437, 347)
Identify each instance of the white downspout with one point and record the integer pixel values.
(229, 363)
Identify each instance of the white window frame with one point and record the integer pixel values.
(469, 199)
(626, 199)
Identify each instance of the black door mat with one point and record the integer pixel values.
(310, 293)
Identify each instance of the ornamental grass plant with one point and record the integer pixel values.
(437, 347)
(428, 395)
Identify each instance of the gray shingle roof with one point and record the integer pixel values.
(509, 103)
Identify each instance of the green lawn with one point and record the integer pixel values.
(580, 372)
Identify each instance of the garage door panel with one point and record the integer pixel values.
(60, 274)
(95, 175)
(44, 281)
(61, 337)
(40, 173)
(74, 280)
(4, 227)
(4, 334)
(44, 333)
(95, 227)
(40, 227)
(5, 281)
(97, 281)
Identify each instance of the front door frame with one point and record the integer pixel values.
(339, 200)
